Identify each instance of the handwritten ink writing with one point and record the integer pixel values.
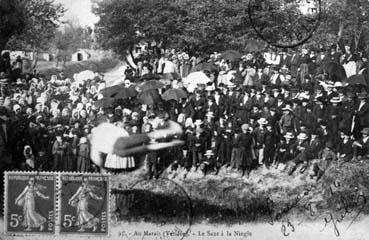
(284, 228)
(348, 203)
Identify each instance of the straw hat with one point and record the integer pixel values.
(245, 127)
(362, 95)
(209, 153)
(83, 140)
(210, 114)
(365, 131)
(288, 108)
(16, 107)
(262, 121)
(198, 122)
(336, 100)
(209, 88)
(329, 85)
(302, 136)
(289, 135)
(340, 84)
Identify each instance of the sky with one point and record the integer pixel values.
(81, 10)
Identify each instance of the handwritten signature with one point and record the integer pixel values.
(348, 203)
(287, 226)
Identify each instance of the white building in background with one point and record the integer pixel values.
(80, 55)
(22, 54)
(308, 6)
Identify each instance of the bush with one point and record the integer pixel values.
(69, 70)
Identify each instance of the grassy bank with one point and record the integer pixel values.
(266, 196)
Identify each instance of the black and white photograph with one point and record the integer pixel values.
(197, 119)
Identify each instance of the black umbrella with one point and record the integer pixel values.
(149, 97)
(126, 93)
(111, 91)
(171, 76)
(174, 94)
(357, 80)
(150, 85)
(253, 45)
(150, 76)
(231, 55)
(210, 67)
(335, 71)
(105, 102)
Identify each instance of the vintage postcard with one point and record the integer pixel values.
(184, 119)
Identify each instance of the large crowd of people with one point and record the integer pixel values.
(268, 109)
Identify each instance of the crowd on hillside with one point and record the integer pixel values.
(269, 108)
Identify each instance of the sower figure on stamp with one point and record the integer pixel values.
(27, 200)
(80, 200)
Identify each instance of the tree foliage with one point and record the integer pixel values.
(217, 25)
(196, 25)
(348, 20)
(29, 24)
(71, 38)
(12, 20)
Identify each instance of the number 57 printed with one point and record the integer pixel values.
(30, 202)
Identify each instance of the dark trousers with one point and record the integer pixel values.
(268, 156)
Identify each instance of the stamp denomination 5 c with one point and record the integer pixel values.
(30, 203)
(84, 203)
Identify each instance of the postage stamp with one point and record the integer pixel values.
(84, 203)
(30, 203)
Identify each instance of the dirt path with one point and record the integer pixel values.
(115, 74)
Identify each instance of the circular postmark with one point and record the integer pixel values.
(285, 23)
(161, 202)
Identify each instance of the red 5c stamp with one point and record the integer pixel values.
(30, 203)
(84, 203)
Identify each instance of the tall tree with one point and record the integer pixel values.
(29, 24)
(126, 23)
(197, 25)
(12, 20)
(349, 20)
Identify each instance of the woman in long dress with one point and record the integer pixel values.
(80, 200)
(26, 199)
